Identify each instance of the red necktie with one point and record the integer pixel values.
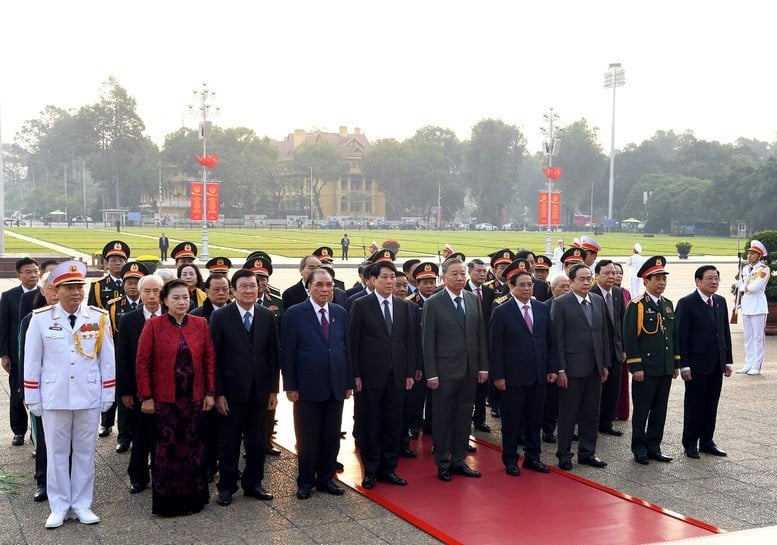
(709, 302)
(527, 317)
(480, 294)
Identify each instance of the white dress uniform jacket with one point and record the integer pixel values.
(752, 285)
(68, 367)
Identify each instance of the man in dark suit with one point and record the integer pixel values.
(559, 286)
(362, 270)
(27, 303)
(521, 375)
(382, 336)
(245, 340)
(455, 349)
(613, 302)
(142, 425)
(317, 377)
(706, 356)
(477, 276)
(298, 292)
(580, 325)
(164, 244)
(27, 272)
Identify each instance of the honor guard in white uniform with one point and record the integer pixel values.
(69, 377)
(753, 307)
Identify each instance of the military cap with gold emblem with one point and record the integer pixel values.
(259, 265)
(542, 262)
(654, 265)
(383, 255)
(573, 255)
(505, 255)
(116, 248)
(219, 265)
(457, 255)
(69, 272)
(757, 247)
(134, 269)
(324, 253)
(518, 266)
(184, 249)
(590, 245)
(259, 253)
(426, 269)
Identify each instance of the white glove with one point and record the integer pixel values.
(105, 405)
(35, 409)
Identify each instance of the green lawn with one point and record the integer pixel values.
(296, 243)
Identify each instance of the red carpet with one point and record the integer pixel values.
(556, 508)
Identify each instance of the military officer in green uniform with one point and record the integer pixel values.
(264, 255)
(130, 275)
(541, 269)
(115, 254)
(653, 357)
(262, 268)
(326, 256)
(499, 261)
(184, 253)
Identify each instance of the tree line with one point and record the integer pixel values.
(98, 157)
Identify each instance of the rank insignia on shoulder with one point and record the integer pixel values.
(98, 309)
(42, 309)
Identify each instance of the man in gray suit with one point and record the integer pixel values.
(455, 348)
(580, 323)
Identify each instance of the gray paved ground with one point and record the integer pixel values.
(733, 493)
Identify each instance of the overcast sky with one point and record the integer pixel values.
(393, 67)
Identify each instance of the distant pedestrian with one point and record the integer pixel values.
(118, 226)
(635, 263)
(164, 244)
(345, 243)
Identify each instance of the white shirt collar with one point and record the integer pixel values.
(148, 315)
(318, 308)
(581, 299)
(453, 298)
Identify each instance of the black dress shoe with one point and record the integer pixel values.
(496, 413)
(482, 426)
(304, 493)
(692, 452)
(464, 469)
(392, 478)
(535, 465)
(339, 466)
(122, 447)
(660, 457)
(40, 493)
(137, 487)
(18, 440)
(521, 440)
(210, 475)
(331, 488)
(368, 481)
(225, 498)
(104, 431)
(712, 449)
(512, 470)
(641, 459)
(444, 475)
(407, 453)
(471, 448)
(611, 431)
(413, 433)
(272, 450)
(565, 464)
(575, 437)
(592, 461)
(548, 437)
(259, 493)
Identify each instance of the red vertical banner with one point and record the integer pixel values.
(212, 201)
(555, 208)
(195, 208)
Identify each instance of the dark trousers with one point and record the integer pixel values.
(18, 412)
(522, 408)
(494, 395)
(210, 434)
(550, 411)
(415, 405)
(579, 402)
(247, 422)
(481, 392)
(611, 390)
(317, 428)
(163, 254)
(702, 394)
(381, 420)
(650, 398)
(121, 415)
(40, 450)
(270, 425)
(142, 445)
(452, 402)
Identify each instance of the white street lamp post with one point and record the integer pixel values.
(615, 77)
(205, 126)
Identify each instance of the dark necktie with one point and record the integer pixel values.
(387, 315)
(480, 294)
(133, 305)
(247, 321)
(527, 317)
(118, 284)
(324, 324)
(588, 311)
(608, 302)
(709, 302)
(460, 316)
(72, 319)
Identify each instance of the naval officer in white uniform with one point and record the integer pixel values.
(753, 306)
(69, 378)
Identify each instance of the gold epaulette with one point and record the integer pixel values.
(502, 299)
(489, 283)
(101, 310)
(42, 309)
(636, 299)
(111, 301)
(275, 291)
(410, 297)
